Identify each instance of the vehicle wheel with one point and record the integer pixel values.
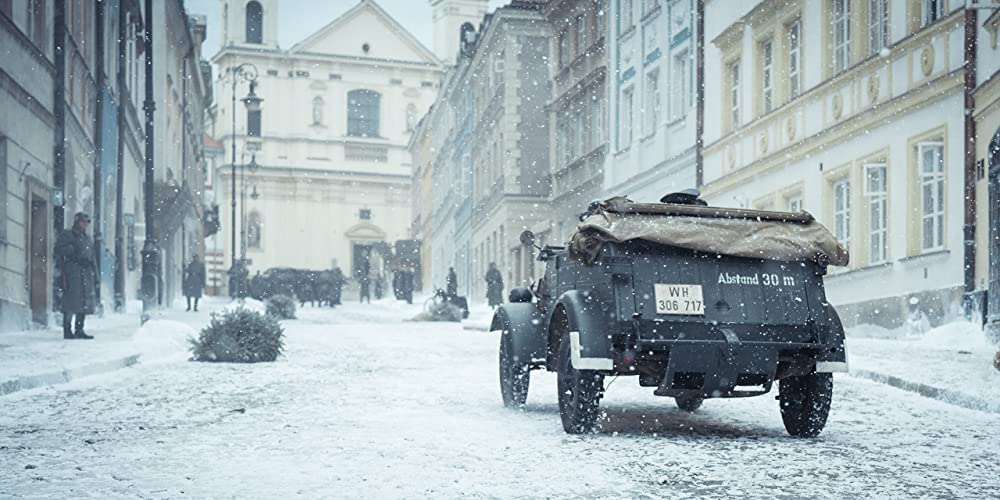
(689, 403)
(580, 392)
(805, 403)
(514, 373)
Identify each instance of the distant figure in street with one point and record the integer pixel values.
(451, 283)
(364, 279)
(338, 285)
(403, 285)
(379, 287)
(494, 286)
(74, 255)
(194, 281)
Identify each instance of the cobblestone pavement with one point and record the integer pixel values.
(365, 404)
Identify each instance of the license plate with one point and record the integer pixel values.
(679, 299)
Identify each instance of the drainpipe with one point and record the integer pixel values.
(969, 88)
(699, 80)
(59, 113)
(98, 149)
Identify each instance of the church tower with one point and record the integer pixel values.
(252, 23)
(449, 16)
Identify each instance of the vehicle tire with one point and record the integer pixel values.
(688, 403)
(515, 373)
(805, 403)
(580, 392)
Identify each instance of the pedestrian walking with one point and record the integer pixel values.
(494, 286)
(194, 281)
(451, 283)
(74, 255)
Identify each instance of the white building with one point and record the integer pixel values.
(851, 110)
(334, 173)
(652, 98)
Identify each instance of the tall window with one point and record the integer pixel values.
(651, 103)
(253, 123)
(734, 93)
(253, 230)
(930, 11)
(581, 129)
(767, 74)
(36, 24)
(317, 110)
(581, 36)
(363, 113)
(627, 112)
(626, 15)
(931, 159)
(794, 59)
(681, 85)
(596, 119)
(875, 190)
(255, 22)
(842, 212)
(841, 35)
(878, 26)
(563, 49)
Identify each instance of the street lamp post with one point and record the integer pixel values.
(244, 72)
(150, 280)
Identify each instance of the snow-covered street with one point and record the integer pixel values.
(365, 404)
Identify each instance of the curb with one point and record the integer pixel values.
(477, 328)
(67, 375)
(943, 395)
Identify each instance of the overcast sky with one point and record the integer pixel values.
(298, 19)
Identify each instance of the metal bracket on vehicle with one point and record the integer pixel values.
(582, 363)
(732, 342)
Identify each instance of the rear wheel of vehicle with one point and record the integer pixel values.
(515, 373)
(580, 392)
(688, 403)
(805, 403)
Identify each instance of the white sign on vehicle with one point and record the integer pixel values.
(679, 299)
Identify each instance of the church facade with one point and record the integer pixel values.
(323, 171)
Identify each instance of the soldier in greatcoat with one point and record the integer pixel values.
(74, 256)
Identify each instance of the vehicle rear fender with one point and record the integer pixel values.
(836, 359)
(587, 320)
(525, 328)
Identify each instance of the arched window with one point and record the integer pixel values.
(253, 230)
(317, 110)
(363, 113)
(255, 22)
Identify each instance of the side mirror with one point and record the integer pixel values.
(528, 238)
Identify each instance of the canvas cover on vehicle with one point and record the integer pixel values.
(755, 234)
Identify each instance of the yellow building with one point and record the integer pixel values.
(852, 111)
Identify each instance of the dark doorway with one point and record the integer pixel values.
(38, 260)
(361, 255)
(993, 299)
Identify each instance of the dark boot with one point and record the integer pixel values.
(67, 331)
(79, 328)
(196, 304)
(189, 303)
